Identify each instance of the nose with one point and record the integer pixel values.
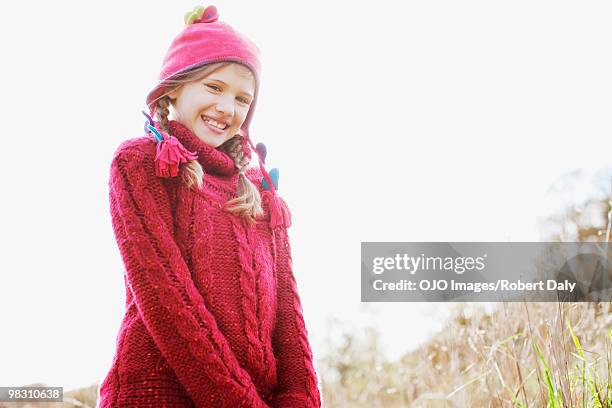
(225, 106)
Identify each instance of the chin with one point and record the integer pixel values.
(210, 140)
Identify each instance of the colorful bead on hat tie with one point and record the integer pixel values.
(274, 176)
(262, 151)
(200, 14)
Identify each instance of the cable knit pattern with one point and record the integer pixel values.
(213, 318)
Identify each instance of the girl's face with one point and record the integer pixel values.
(215, 107)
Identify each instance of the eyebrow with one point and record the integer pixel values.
(218, 80)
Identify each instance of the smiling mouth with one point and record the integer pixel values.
(213, 123)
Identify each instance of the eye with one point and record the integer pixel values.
(243, 101)
(214, 87)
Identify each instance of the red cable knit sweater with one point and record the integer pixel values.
(213, 318)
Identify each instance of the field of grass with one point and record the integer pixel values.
(517, 355)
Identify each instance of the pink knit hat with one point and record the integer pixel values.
(205, 40)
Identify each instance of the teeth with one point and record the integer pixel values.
(213, 123)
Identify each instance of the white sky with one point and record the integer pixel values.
(404, 121)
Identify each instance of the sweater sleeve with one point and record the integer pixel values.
(297, 381)
(172, 309)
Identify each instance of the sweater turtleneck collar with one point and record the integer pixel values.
(213, 161)
(218, 163)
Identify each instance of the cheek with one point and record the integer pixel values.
(184, 109)
(192, 105)
(242, 116)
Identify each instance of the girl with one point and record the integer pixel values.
(213, 318)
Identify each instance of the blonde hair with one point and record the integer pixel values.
(247, 203)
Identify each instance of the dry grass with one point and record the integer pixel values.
(519, 355)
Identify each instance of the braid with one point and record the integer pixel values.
(192, 171)
(163, 112)
(234, 149)
(248, 202)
